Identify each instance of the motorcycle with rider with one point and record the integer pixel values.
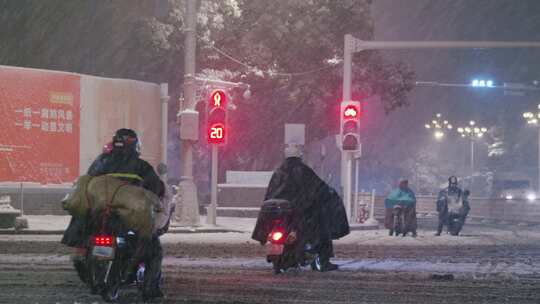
(452, 207)
(115, 208)
(400, 210)
(300, 217)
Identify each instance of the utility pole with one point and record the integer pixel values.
(164, 97)
(472, 162)
(353, 45)
(538, 160)
(188, 211)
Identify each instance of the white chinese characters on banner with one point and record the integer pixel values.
(52, 126)
(52, 113)
(44, 113)
(53, 169)
(52, 120)
(61, 127)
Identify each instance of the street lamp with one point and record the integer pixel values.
(534, 119)
(473, 132)
(438, 126)
(482, 83)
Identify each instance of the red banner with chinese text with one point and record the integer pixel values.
(39, 126)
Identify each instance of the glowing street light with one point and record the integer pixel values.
(438, 126)
(438, 134)
(534, 120)
(472, 131)
(482, 83)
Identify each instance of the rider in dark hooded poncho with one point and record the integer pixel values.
(319, 214)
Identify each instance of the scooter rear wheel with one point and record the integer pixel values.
(95, 277)
(276, 266)
(111, 288)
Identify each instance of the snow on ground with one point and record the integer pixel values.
(463, 269)
(471, 235)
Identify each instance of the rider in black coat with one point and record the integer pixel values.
(319, 214)
(123, 162)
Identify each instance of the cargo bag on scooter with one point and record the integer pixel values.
(133, 204)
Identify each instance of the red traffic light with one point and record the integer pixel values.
(350, 125)
(351, 112)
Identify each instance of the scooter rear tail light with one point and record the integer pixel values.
(102, 240)
(277, 236)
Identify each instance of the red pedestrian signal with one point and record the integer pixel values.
(217, 117)
(218, 99)
(350, 125)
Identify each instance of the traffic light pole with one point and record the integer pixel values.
(187, 213)
(353, 45)
(212, 210)
(346, 156)
(346, 176)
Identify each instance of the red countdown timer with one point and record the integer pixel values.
(216, 134)
(216, 117)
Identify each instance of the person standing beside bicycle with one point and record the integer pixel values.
(400, 210)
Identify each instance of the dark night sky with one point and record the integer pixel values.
(460, 20)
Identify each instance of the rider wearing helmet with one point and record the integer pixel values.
(447, 216)
(319, 215)
(123, 161)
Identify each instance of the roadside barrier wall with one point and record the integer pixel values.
(54, 124)
(487, 209)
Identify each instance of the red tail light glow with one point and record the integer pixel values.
(277, 236)
(102, 240)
